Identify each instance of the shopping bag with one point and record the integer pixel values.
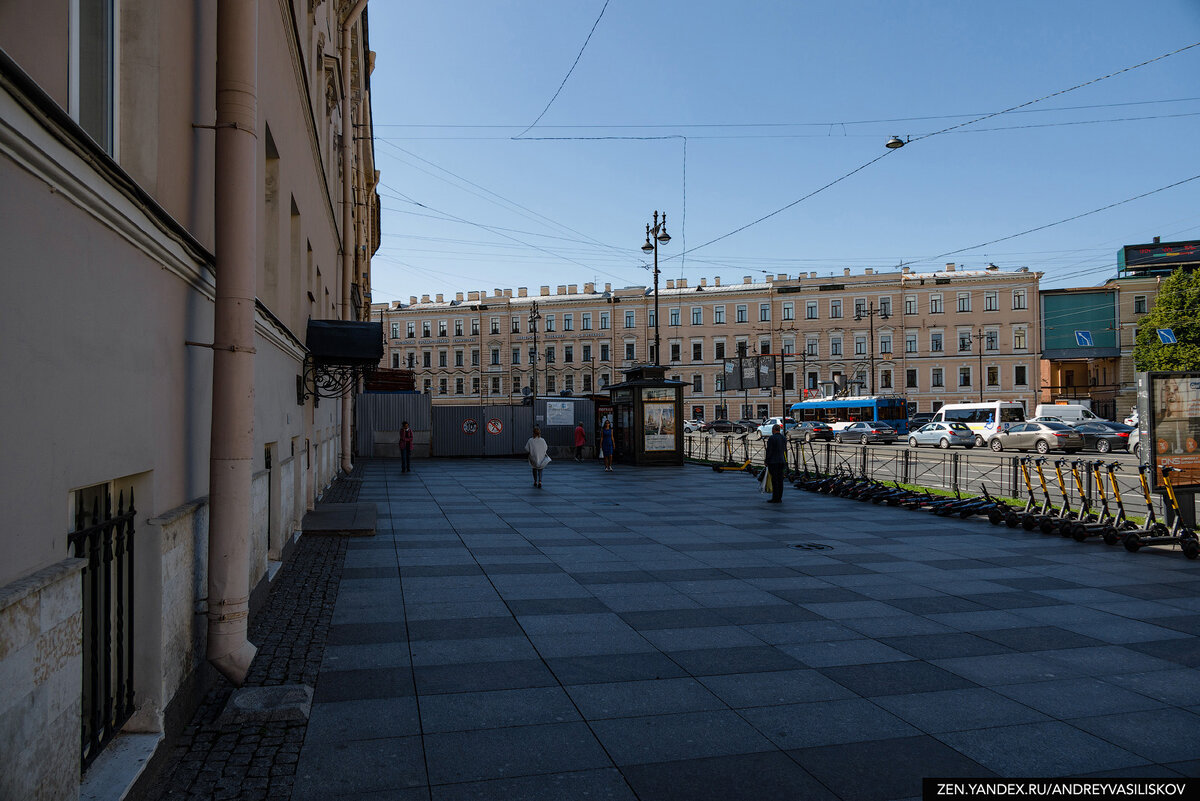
(764, 483)
(545, 461)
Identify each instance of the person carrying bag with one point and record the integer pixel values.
(539, 455)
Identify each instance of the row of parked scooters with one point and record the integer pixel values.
(1078, 520)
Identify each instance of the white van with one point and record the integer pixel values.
(1069, 413)
(984, 418)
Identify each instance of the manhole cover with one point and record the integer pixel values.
(810, 546)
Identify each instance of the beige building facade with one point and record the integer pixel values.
(111, 117)
(936, 337)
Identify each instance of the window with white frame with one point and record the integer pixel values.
(1019, 299)
(604, 351)
(935, 342)
(910, 304)
(630, 319)
(719, 349)
(551, 384)
(412, 330)
(936, 379)
(789, 311)
(395, 330)
(427, 384)
(475, 327)
(650, 317)
(835, 309)
(1139, 304)
(812, 347)
(697, 315)
(764, 312)
(810, 310)
(93, 70)
(1019, 375)
(860, 346)
(835, 346)
(550, 354)
(742, 314)
(789, 346)
(885, 379)
(442, 356)
(442, 330)
(441, 386)
(549, 322)
(860, 307)
(964, 341)
(964, 376)
(718, 315)
(991, 340)
(569, 383)
(587, 382)
(395, 360)
(764, 346)
(673, 317)
(516, 325)
(935, 303)
(697, 351)
(885, 307)
(458, 386)
(475, 385)
(910, 378)
(993, 376)
(885, 343)
(697, 383)
(991, 301)
(586, 321)
(604, 322)
(676, 351)
(426, 356)
(568, 322)
(568, 354)
(495, 325)
(587, 353)
(910, 343)
(1019, 339)
(458, 328)
(458, 358)
(964, 301)
(629, 351)
(495, 356)
(516, 355)
(495, 385)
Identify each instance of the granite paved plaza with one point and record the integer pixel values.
(649, 634)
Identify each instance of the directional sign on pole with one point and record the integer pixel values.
(1084, 339)
(1167, 336)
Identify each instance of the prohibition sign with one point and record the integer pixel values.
(470, 426)
(495, 425)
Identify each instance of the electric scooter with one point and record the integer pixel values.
(1034, 520)
(1179, 532)
(1052, 522)
(1013, 517)
(1153, 527)
(1104, 524)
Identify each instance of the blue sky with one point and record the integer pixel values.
(721, 113)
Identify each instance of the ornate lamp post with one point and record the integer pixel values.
(655, 234)
(870, 313)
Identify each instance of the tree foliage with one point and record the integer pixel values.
(1178, 308)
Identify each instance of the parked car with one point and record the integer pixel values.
(788, 424)
(865, 432)
(919, 419)
(690, 426)
(749, 424)
(1047, 419)
(942, 435)
(1042, 437)
(1132, 419)
(724, 426)
(1073, 413)
(1135, 443)
(810, 430)
(1105, 437)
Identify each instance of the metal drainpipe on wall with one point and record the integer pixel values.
(232, 433)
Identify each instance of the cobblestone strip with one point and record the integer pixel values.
(257, 760)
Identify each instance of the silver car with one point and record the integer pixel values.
(1042, 437)
(942, 435)
(866, 432)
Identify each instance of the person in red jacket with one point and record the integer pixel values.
(580, 440)
(406, 443)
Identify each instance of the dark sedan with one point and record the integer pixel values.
(865, 432)
(811, 430)
(1105, 437)
(724, 426)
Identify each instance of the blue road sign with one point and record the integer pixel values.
(1083, 339)
(1167, 336)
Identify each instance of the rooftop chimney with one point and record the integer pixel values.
(497, 293)
(424, 298)
(544, 291)
(508, 293)
(905, 270)
(845, 271)
(572, 289)
(458, 296)
(412, 300)
(670, 283)
(868, 271)
(717, 281)
(607, 287)
(747, 279)
(472, 296)
(681, 284)
(561, 289)
(1157, 240)
(949, 266)
(522, 292)
(440, 298)
(703, 282)
(781, 277)
(770, 279)
(589, 288)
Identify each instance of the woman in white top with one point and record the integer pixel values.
(538, 456)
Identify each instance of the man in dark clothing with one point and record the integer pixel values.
(776, 460)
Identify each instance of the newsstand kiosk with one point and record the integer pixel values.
(648, 417)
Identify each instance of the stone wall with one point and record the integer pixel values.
(41, 643)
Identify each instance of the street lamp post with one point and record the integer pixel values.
(654, 234)
(534, 316)
(979, 336)
(871, 312)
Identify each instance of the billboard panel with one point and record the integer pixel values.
(1172, 405)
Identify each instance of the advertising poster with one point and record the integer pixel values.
(1175, 406)
(659, 425)
(560, 413)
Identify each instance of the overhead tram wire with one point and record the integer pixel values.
(948, 129)
(568, 75)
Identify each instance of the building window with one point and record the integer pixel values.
(587, 382)
(910, 304)
(495, 325)
(935, 304)
(964, 376)
(475, 327)
(549, 322)
(496, 385)
(812, 347)
(789, 311)
(533, 355)
(936, 378)
(93, 73)
(475, 385)
(474, 357)
(675, 351)
(650, 318)
(910, 343)
(395, 330)
(495, 356)
(860, 307)
(441, 358)
(719, 382)
(587, 353)
(1019, 375)
(835, 346)
(569, 383)
(964, 342)
(425, 329)
(458, 358)
(516, 355)
(789, 347)
(427, 384)
(810, 310)
(835, 309)
(991, 301)
(697, 315)
(629, 319)
(604, 323)
(412, 330)
(910, 379)
(550, 356)
(629, 351)
(935, 343)
(885, 343)
(789, 382)
(568, 322)
(885, 307)
(1019, 339)
(516, 325)
(603, 351)
(964, 301)
(885, 379)
(425, 358)
(1139, 304)
(396, 361)
(673, 317)
(1019, 301)
(587, 321)
(991, 340)
(764, 346)
(551, 385)
(516, 385)
(719, 349)
(568, 354)
(860, 346)
(441, 386)
(718, 315)
(603, 380)
(412, 360)
(697, 383)
(697, 351)
(458, 328)
(993, 376)
(742, 314)
(764, 312)
(441, 328)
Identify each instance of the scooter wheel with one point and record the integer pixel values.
(1111, 537)
(1191, 548)
(1049, 526)
(1132, 542)
(995, 517)
(1079, 532)
(1012, 520)
(1159, 530)
(1029, 523)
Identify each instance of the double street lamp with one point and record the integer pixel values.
(655, 234)
(870, 312)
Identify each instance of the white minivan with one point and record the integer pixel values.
(1069, 413)
(984, 418)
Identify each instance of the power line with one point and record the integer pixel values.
(568, 75)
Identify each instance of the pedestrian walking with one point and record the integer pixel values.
(406, 445)
(776, 460)
(539, 455)
(607, 445)
(580, 441)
